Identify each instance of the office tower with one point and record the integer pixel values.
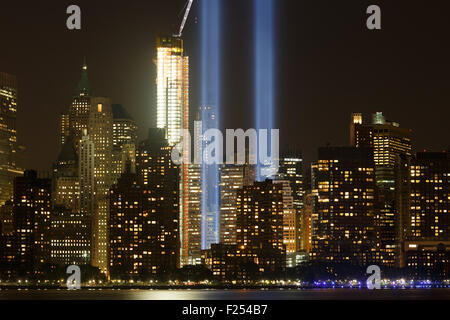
(390, 143)
(100, 130)
(172, 85)
(388, 140)
(87, 181)
(32, 207)
(66, 183)
(124, 141)
(172, 90)
(291, 169)
(191, 219)
(9, 149)
(64, 127)
(191, 231)
(356, 119)
(259, 225)
(80, 108)
(232, 179)
(210, 184)
(345, 205)
(306, 230)
(124, 126)
(289, 221)
(70, 237)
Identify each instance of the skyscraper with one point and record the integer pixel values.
(70, 237)
(172, 86)
(429, 204)
(345, 205)
(66, 185)
(124, 126)
(32, 214)
(232, 179)
(87, 181)
(291, 169)
(259, 225)
(124, 141)
(80, 108)
(100, 128)
(9, 150)
(161, 179)
(390, 143)
(172, 102)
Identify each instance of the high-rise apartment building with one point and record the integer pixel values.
(426, 246)
(32, 219)
(259, 226)
(232, 179)
(345, 182)
(429, 204)
(160, 178)
(391, 145)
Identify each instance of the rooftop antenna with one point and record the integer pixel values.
(186, 15)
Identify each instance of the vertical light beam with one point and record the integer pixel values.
(210, 106)
(264, 71)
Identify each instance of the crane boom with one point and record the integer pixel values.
(186, 15)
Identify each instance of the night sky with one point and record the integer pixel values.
(328, 65)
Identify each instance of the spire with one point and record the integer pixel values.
(84, 86)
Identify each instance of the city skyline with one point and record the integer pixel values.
(46, 86)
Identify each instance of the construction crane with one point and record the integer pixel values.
(186, 15)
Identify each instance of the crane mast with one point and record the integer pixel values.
(186, 15)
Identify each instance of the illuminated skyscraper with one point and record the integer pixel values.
(172, 102)
(32, 214)
(172, 87)
(70, 237)
(87, 180)
(101, 134)
(345, 205)
(124, 141)
(80, 108)
(160, 179)
(66, 177)
(9, 150)
(291, 169)
(259, 226)
(124, 126)
(430, 199)
(390, 144)
(64, 127)
(289, 218)
(232, 179)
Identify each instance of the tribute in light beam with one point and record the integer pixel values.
(264, 73)
(210, 102)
